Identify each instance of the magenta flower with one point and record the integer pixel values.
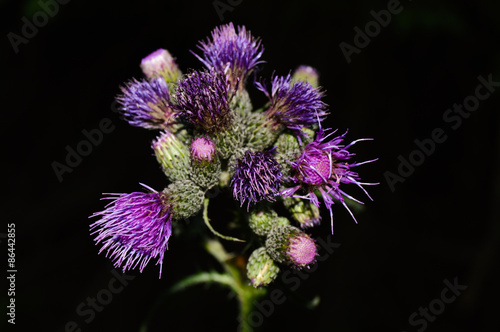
(323, 167)
(301, 250)
(134, 228)
(202, 149)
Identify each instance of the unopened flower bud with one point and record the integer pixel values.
(186, 198)
(306, 74)
(261, 269)
(173, 156)
(306, 213)
(205, 163)
(261, 222)
(161, 64)
(289, 245)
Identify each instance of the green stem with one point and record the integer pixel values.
(207, 222)
(246, 294)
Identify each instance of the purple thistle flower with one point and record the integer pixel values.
(147, 104)
(301, 250)
(135, 228)
(203, 149)
(257, 177)
(322, 166)
(293, 104)
(202, 97)
(231, 53)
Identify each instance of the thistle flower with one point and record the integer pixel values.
(295, 105)
(205, 163)
(289, 245)
(203, 149)
(161, 64)
(322, 166)
(134, 228)
(257, 177)
(147, 104)
(234, 54)
(203, 98)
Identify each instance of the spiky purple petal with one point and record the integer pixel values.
(257, 177)
(323, 167)
(235, 54)
(146, 103)
(295, 105)
(203, 98)
(134, 228)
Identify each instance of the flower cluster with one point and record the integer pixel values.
(276, 158)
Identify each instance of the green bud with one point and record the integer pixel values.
(306, 74)
(173, 156)
(186, 198)
(306, 213)
(261, 269)
(261, 132)
(228, 141)
(288, 149)
(309, 135)
(261, 222)
(161, 63)
(241, 103)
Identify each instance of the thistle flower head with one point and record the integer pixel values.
(235, 54)
(289, 245)
(147, 104)
(295, 105)
(202, 149)
(257, 177)
(323, 167)
(160, 64)
(301, 250)
(203, 98)
(134, 228)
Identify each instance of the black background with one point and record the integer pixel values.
(440, 223)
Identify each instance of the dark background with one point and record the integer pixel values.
(440, 223)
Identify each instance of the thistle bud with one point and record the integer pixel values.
(261, 132)
(186, 198)
(173, 156)
(205, 163)
(306, 213)
(306, 74)
(230, 140)
(161, 64)
(261, 222)
(289, 245)
(261, 269)
(287, 149)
